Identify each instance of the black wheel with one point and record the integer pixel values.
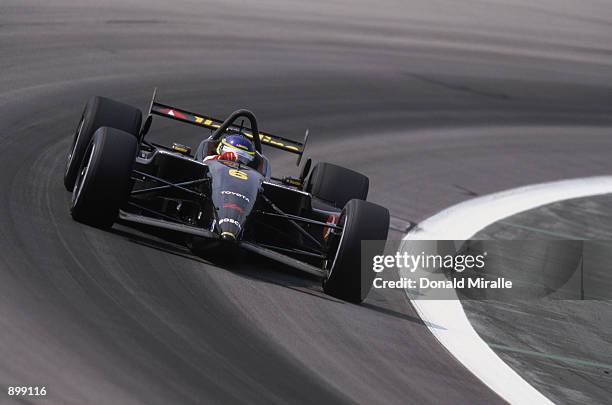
(103, 181)
(336, 185)
(361, 220)
(98, 112)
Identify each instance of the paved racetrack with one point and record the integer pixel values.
(435, 101)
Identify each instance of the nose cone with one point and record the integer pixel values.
(234, 192)
(229, 228)
(228, 236)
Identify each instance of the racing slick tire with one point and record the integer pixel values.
(98, 112)
(336, 185)
(104, 179)
(361, 220)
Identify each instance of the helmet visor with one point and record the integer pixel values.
(244, 157)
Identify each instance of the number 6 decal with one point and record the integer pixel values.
(238, 174)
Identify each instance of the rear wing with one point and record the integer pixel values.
(211, 123)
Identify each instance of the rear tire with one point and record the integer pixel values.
(104, 179)
(336, 185)
(98, 112)
(361, 220)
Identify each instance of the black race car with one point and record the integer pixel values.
(314, 222)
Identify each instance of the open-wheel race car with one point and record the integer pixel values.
(314, 222)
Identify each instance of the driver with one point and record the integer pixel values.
(236, 148)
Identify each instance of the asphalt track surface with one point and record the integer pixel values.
(435, 101)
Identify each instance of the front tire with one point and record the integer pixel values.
(98, 112)
(361, 220)
(104, 179)
(336, 185)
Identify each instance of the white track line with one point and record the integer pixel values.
(446, 319)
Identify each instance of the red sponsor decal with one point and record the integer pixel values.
(331, 219)
(233, 206)
(174, 113)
